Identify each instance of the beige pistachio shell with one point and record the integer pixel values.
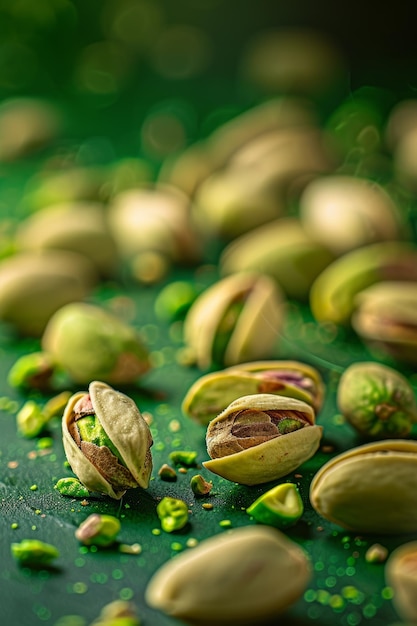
(244, 576)
(125, 427)
(371, 488)
(258, 325)
(401, 576)
(271, 459)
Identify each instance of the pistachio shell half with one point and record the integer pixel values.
(401, 575)
(244, 576)
(122, 458)
(261, 437)
(371, 488)
(211, 393)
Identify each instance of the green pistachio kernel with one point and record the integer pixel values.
(281, 506)
(173, 514)
(98, 530)
(200, 486)
(31, 419)
(71, 487)
(174, 300)
(183, 457)
(32, 371)
(34, 553)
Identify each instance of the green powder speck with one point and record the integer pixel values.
(79, 562)
(156, 531)
(14, 525)
(117, 574)
(33, 487)
(353, 619)
(176, 546)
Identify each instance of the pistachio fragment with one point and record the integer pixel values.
(211, 393)
(261, 437)
(98, 530)
(34, 553)
(236, 319)
(245, 575)
(173, 514)
(370, 489)
(107, 441)
(401, 576)
(377, 400)
(281, 506)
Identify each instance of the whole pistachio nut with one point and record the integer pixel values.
(377, 400)
(33, 286)
(333, 293)
(282, 249)
(385, 318)
(261, 437)
(370, 489)
(244, 576)
(401, 576)
(107, 441)
(213, 392)
(234, 320)
(90, 343)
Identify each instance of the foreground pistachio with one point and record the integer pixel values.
(385, 318)
(106, 440)
(243, 576)
(333, 293)
(370, 489)
(401, 576)
(34, 553)
(281, 506)
(261, 437)
(98, 530)
(211, 393)
(282, 249)
(234, 320)
(377, 400)
(90, 343)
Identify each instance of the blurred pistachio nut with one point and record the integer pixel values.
(212, 393)
(385, 318)
(333, 293)
(33, 286)
(401, 576)
(98, 530)
(370, 489)
(246, 575)
(282, 249)
(236, 319)
(90, 343)
(106, 440)
(32, 371)
(261, 437)
(377, 400)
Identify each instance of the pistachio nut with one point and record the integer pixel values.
(236, 319)
(370, 489)
(347, 212)
(33, 286)
(402, 118)
(188, 169)
(211, 393)
(107, 441)
(98, 530)
(385, 319)
(79, 227)
(89, 343)
(34, 553)
(244, 576)
(401, 576)
(282, 249)
(261, 437)
(333, 293)
(377, 400)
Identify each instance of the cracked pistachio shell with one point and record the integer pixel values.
(213, 392)
(371, 488)
(282, 249)
(246, 333)
(244, 576)
(401, 576)
(124, 425)
(90, 343)
(333, 293)
(254, 451)
(34, 285)
(385, 318)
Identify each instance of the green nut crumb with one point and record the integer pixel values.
(183, 457)
(14, 526)
(44, 443)
(281, 506)
(34, 553)
(31, 420)
(200, 486)
(376, 553)
(98, 530)
(174, 300)
(167, 473)
(71, 487)
(225, 523)
(33, 487)
(173, 514)
(207, 506)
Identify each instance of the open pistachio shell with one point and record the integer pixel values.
(401, 576)
(124, 426)
(211, 393)
(371, 488)
(248, 447)
(244, 576)
(254, 332)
